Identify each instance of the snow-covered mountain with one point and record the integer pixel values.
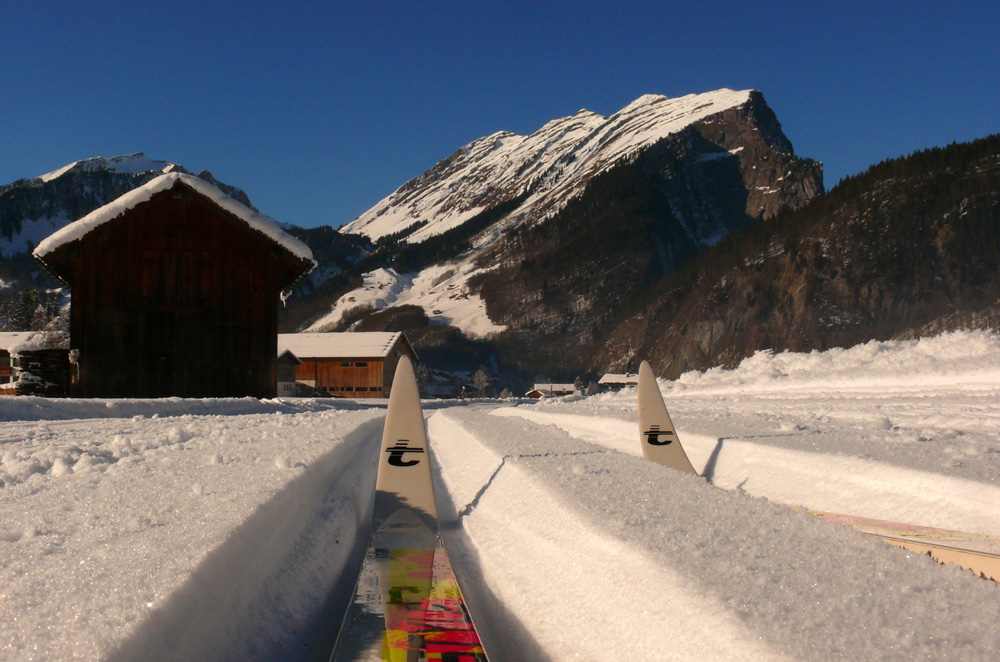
(539, 242)
(32, 209)
(555, 164)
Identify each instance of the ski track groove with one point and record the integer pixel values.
(471, 506)
(751, 571)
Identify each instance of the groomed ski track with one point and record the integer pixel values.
(205, 531)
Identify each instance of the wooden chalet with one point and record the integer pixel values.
(551, 390)
(287, 386)
(350, 365)
(8, 341)
(175, 289)
(616, 382)
(33, 364)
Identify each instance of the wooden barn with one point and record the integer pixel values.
(350, 365)
(175, 289)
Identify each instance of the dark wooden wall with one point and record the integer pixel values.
(176, 298)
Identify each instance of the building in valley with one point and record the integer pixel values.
(616, 382)
(9, 340)
(351, 365)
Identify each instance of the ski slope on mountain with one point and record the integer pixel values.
(441, 291)
(221, 529)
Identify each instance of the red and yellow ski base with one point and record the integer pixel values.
(425, 612)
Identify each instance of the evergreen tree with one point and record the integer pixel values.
(39, 318)
(24, 312)
(423, 378)
(6, 315)
(481, 380)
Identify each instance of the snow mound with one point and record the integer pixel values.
(950, 359)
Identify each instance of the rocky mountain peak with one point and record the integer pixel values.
(538, 241)
(553, 165)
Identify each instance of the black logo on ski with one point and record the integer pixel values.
(653, 436)
(396, 454)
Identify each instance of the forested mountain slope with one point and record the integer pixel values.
(910, 246)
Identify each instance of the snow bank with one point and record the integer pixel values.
(858, 486)
(951, 359)
(179, 538)
(27, 408)
(524, 531)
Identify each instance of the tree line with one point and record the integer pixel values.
(28, 310)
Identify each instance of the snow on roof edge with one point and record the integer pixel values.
(343, 344)
(109, 212)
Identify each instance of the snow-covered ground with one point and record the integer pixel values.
(201, 529)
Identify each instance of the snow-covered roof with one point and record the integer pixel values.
(338, 345)
(627, 378)
(11, 339)
(555, 387)
(109, 212)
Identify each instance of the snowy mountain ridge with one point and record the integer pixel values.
(127, 163)
(551, 165)
(32, 209)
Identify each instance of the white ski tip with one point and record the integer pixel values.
(656, 431)
(404, 468)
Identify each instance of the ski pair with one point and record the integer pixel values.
(407, 606)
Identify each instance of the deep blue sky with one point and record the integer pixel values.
(318, 110)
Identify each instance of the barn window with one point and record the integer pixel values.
(361, 364)
(345, 364)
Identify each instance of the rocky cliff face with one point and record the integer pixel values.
(565, 282)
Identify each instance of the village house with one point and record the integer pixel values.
(551, 390)
(175, 289)
(287, 386)
(8, 341)
(616, 382)
(350, 365)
